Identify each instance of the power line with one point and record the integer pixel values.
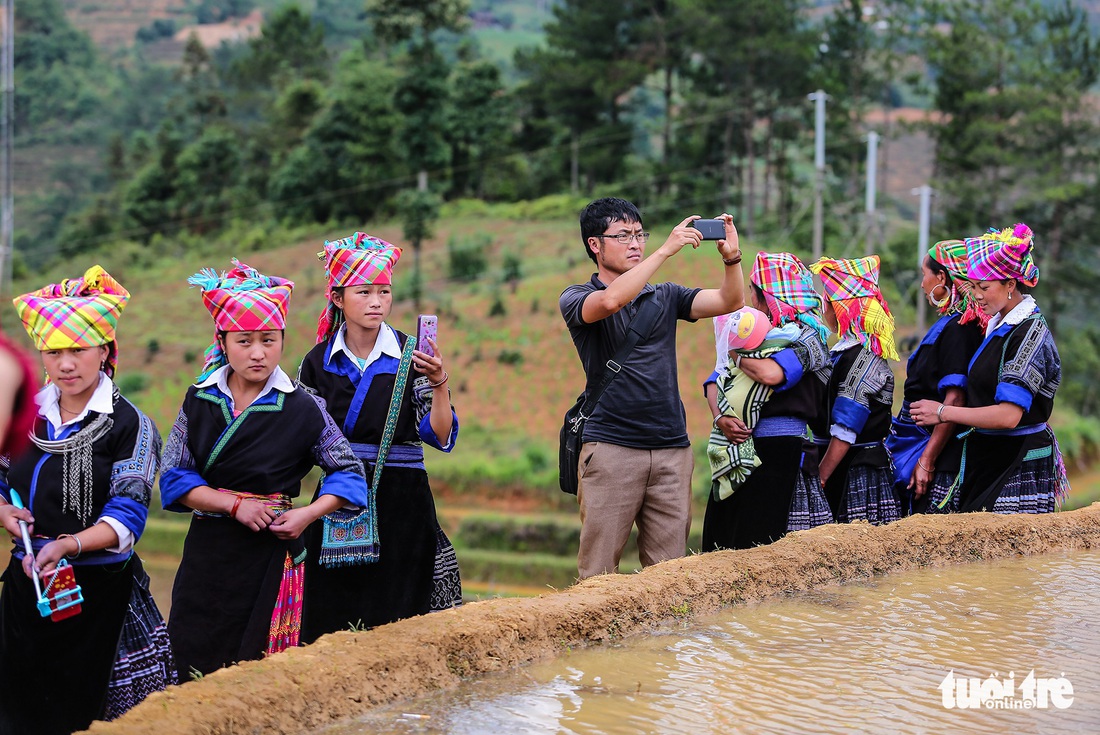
(588, 141)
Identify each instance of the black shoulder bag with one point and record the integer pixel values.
(572, 432)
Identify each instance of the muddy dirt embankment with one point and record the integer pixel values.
(345, 674)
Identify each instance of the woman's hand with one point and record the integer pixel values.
(48, 556)
(733, 429)
(254, 514)
(10, 517)
(290, 524)
(921, 479)
(430, 366)
(926, 413)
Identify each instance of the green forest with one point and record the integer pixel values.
(348, 112)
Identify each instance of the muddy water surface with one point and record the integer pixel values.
(870, 657)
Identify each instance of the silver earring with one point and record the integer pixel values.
(1010, 296)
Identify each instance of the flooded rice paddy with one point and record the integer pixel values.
(989, 647)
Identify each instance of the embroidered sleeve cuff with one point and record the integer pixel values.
(850, 414)
(1015, 394)
(955, 380)
(347, 485)
(174, 484)
(791, 366)
(427, 433)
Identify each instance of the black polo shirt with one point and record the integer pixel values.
(642, 407)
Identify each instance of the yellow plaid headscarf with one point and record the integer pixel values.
(78, 312)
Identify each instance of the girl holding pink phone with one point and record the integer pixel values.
(390, 399)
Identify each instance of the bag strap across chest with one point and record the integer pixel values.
(640, 326)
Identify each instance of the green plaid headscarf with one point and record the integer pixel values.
(951, 254)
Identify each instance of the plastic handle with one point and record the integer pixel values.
(27, 548)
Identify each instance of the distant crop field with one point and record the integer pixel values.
(113, 23)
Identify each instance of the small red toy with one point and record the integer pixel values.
(62, 597)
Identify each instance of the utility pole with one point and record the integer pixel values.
(872, 179)
(925, 192)
(819, 98)
(7, 115)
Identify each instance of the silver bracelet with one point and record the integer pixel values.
(79, 546)
(939, 412)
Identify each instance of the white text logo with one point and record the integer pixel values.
(993, 693)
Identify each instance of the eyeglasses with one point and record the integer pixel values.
(624, 238)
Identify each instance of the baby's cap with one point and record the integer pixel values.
(747, 327)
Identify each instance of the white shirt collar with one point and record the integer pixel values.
(848, 340)
(385, 344)
(102, 401)
(1021, 311)
(278, 380)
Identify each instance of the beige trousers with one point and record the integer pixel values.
(621, 486)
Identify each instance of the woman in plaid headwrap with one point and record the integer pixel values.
(85, 482)
(782, 494)
(235, 459)
(357, 366)
(926, 463)
(1010, 458)
(855, 469)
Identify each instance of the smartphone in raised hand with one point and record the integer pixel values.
(426, 328)
(712, 229)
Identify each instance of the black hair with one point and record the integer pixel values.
(763, 300)
(112, 354)
(937, 268)
(598, 216)
(1020, 286)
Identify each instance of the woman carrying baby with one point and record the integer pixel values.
(759, 511)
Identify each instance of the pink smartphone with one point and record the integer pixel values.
(426, 326)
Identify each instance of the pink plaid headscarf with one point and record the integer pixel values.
(353, 261)
(1000, 255)
(78, 312)
(241, 300)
